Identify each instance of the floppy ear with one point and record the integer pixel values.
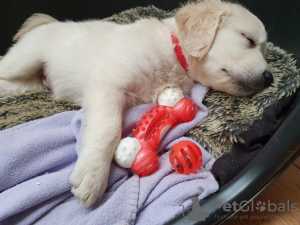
(198, 24)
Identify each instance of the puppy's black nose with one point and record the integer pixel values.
(267, 75)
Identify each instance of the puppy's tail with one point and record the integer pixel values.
(32, 22)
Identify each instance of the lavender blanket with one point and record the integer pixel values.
(37, 158)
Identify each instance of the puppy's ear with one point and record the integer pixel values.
(198, 24)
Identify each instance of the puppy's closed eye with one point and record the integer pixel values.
(251, 42)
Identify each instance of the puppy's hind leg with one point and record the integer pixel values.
(8, 88)
(19, 72)
(21, 66)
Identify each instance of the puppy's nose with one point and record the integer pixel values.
(267, 75)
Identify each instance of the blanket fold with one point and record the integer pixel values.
(36, 159)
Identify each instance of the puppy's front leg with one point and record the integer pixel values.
(104, 106)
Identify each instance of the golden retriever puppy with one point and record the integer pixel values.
(106, 68)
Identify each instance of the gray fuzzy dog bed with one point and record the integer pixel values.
(228, 117)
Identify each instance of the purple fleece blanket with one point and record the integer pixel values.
(37, 158)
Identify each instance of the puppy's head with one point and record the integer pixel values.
(226, 45)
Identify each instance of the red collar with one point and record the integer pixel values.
(178, 52)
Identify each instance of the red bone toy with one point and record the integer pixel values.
(153, 127)
(139, 152)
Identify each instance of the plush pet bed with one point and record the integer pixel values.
(229, 116)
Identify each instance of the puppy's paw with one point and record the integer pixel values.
(88, 185)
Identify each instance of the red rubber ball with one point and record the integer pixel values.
(185, 157)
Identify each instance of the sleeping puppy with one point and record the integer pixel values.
(107, 68)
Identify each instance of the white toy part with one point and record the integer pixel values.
(127, 151)
(170, 96)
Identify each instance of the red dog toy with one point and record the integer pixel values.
(149, 132)
(185, 157)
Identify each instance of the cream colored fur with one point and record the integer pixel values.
(107, 68)
(32, 22)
